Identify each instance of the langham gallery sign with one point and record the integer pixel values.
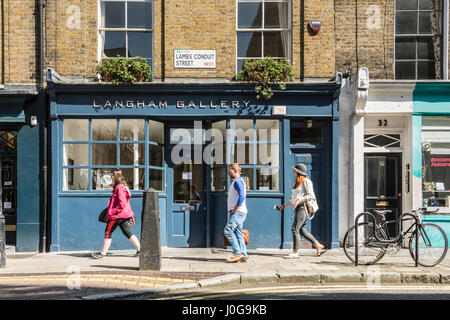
(163, 104)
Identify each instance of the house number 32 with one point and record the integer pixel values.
(382, 123)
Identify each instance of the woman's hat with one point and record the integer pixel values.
(300, 168)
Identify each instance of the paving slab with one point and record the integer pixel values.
(75, 275)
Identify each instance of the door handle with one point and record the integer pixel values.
(382, 197)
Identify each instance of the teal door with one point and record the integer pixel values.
(186, 220)
(318, 171)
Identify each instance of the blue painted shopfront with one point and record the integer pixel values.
(195, 108)
(20, 165)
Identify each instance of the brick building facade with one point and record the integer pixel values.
(71, 37)
(354, 34)
(397, 55)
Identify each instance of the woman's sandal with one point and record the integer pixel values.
(320, 250)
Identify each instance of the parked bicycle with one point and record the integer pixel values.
(432, 241)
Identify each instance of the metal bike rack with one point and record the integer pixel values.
(399, 225)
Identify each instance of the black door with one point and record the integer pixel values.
(383, 187)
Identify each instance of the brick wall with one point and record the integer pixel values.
(319, 52)
(365, 36)
(71, 38)
(354, 34)
(70, 45)
(18, 63)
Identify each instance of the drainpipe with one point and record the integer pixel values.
(44, 144)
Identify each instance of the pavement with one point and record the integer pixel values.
(75, 275)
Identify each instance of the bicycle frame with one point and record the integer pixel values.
(399, 232)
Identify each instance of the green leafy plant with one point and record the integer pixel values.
(264, 73)
(121, 70)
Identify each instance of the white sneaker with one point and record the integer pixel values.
(292, 255)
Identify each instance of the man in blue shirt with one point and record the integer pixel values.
(237, 212)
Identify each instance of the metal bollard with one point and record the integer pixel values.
(150, 256)
(2, 241)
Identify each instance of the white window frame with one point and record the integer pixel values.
(262, 30)
(102, 29)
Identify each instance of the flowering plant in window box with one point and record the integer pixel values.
(121, 70)
(264, 73)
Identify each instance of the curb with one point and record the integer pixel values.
(370, 278)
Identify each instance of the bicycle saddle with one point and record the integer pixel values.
(382, 212)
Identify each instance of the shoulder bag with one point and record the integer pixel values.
(102, 215)
(245, 233)
(310, 205)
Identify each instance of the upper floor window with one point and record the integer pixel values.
(126, 29)
(418, 39)
(263, 30)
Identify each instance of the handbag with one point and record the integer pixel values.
(102, 215)
(245, 233)
(311, 207)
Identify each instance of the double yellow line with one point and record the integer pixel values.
(305, 289)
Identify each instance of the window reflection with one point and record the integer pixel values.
(104, 154)
(75, 179)
(75, 154)
(104, 129)
(76, 129)
(140, 15)
(132, 154)
(250, 15)
(132, 129)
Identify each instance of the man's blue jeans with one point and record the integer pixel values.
(233, 231)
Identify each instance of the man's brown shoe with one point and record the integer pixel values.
(235, 258)
(243, 259)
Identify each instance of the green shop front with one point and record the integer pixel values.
(431, 150)
(178, 139)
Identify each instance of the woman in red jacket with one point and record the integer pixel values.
(119, 214)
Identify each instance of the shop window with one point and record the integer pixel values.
(263, 29)
(436, 164)
(126, 29)
(103, 129)
(255, 145)
(92, 148)
(8, 141)
(418, 39)
(218, 152)
(314, 135)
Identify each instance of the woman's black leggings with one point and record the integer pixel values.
(299, 226)
(112, 225)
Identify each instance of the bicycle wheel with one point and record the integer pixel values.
(369, 249)
(433, 245)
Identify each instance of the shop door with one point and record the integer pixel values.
(318, 171)
(186, 173)
(8, 183)
(382, 176)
